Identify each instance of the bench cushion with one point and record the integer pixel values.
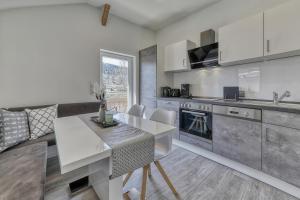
(23, 172)
(65, 110)
(49, 138)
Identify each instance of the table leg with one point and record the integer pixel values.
(116, 188)
(144, 182)
(99, 180)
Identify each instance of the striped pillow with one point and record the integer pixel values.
(14, 128)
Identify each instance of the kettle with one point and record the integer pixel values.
(165, 91)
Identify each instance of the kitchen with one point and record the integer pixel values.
(244, 106)
(155, 100)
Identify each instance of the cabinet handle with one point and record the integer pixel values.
(220, 55)
(234, 112)
(267, 136)
(183, 62)
(268, 46)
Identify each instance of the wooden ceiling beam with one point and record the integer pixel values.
(105, 14)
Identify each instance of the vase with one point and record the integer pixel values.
(102, 112)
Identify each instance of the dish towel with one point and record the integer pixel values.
(132, 148)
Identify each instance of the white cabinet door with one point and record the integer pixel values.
(176, 56)
(241, 41)
(282, 30)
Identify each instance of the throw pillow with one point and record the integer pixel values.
(41, 121)
(14, 128)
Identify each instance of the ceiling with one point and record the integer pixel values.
(153, 14)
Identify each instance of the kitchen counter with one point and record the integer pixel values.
(256, 104)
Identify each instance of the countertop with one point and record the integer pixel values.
(290, 107)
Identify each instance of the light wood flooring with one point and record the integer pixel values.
(194, 177)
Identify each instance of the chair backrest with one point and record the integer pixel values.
(137, 110)
(163, 146)
(164, 116)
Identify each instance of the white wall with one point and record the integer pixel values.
(51, 54)
(258, 79)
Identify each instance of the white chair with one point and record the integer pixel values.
(137, 110)
(162, 147)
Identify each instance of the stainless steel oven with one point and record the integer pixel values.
(196, 121)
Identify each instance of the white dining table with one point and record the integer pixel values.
(82, 152)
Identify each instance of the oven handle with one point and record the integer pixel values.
(195, 113)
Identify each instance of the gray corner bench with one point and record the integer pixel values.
(23, 172)
(23, 167)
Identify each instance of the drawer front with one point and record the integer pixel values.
(290, 120)
(237, 139)
(191, 139)
(169, 105)
(281, 153)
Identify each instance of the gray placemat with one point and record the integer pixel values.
(132, 148)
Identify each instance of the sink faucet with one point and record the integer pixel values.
(277, 99)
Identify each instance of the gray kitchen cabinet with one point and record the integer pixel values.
(281, 153)
(173, 106)
(291, 120)
(148, 65)
(194, 140)
(238, 139)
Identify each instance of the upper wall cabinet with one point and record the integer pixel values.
(282, 30)
(241, 41)
(176, 56)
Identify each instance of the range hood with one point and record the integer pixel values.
(205, 56)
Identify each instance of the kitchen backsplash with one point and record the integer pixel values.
(258, 80)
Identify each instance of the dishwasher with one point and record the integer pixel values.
(237, 134)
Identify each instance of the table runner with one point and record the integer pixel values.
(132, 148)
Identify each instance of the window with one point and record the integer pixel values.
(117, 77)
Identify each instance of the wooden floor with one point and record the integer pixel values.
(194, 177)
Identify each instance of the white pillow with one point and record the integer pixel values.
(41, 121)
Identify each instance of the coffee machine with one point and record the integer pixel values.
(185, 90)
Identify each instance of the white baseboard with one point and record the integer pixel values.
(259, 175)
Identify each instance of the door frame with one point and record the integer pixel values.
(132, 72)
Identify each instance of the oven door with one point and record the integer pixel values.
(197, 123)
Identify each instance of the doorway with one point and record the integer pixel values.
(116, 75)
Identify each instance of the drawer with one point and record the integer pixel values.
(169, 105)
(290, 120)
(191, 139)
